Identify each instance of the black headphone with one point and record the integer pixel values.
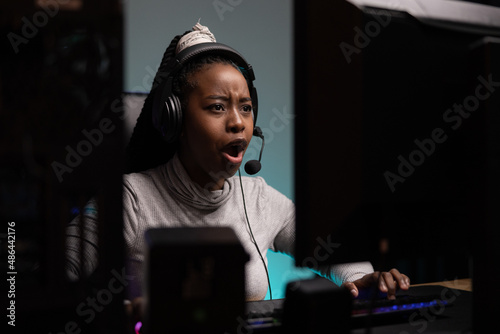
(167, 110)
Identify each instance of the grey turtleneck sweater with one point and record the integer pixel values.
(166, 197)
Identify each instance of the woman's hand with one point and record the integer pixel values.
(387, 282)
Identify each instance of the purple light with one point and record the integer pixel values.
(138, 327)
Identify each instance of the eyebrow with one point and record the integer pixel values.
(225, 98)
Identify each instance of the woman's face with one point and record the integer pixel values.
(217, 127)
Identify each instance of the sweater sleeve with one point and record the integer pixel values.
(347, 272)
(132, 231)
(82, 250)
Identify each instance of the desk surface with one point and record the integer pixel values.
(460, 284)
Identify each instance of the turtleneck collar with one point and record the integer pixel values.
(183, 188)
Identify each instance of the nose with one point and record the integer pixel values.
(235, 122)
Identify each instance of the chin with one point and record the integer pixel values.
(224, 170)
(232, 169)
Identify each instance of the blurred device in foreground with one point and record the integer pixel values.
(60, 139)
(195, 280)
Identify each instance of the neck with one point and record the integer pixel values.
(205, 180)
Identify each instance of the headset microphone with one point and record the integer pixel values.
(253, 166)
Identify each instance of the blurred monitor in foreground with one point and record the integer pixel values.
(396, 143)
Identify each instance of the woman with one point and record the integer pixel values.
(185, 175)
(198, 181)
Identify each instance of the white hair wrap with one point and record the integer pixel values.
(200, 34)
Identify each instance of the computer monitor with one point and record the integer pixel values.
(396, 142)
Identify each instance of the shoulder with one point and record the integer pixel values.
(253, 185)
(257, 186)
(141, 184)
(143, 179)
(139, 192)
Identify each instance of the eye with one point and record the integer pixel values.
(216, 107)
(247, 108)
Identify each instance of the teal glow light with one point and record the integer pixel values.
(282, 270)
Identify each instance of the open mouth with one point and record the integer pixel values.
(233, 152)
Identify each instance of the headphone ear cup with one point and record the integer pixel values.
(172, 122)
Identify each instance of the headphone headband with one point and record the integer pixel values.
(167, 111)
